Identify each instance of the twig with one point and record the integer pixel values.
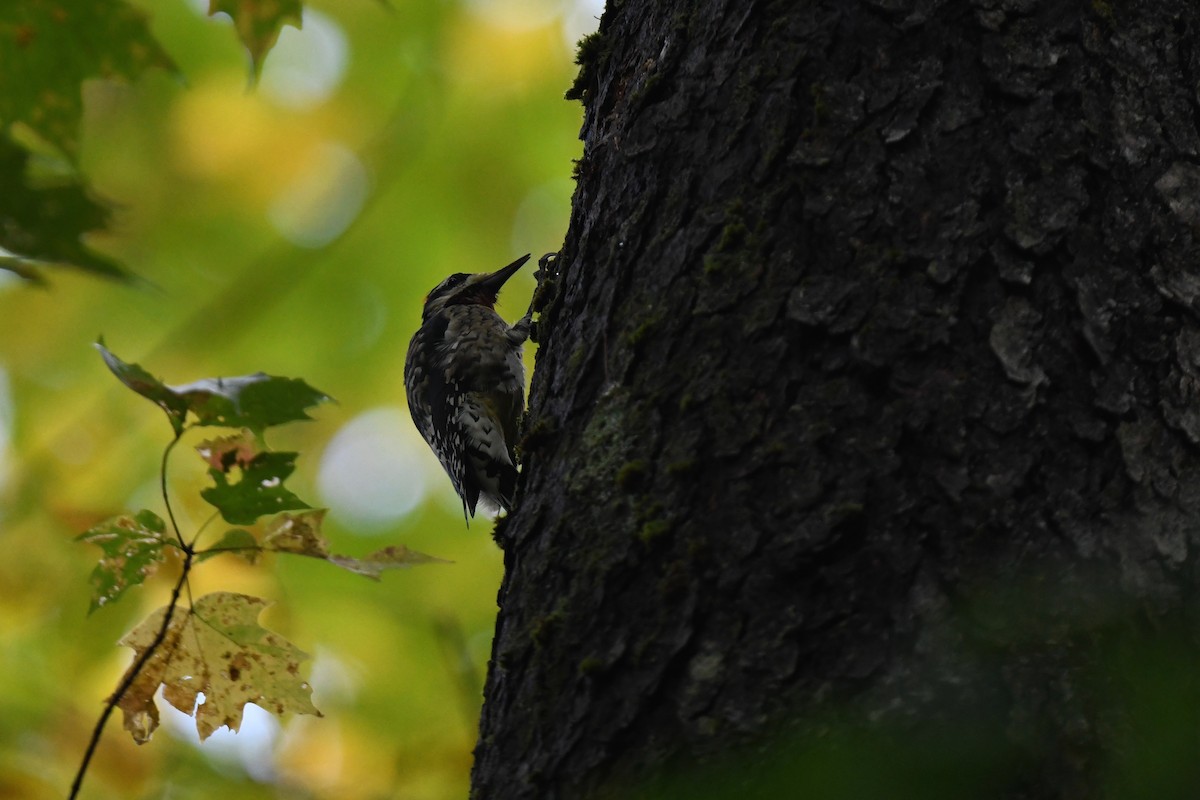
(131, 676)
(162, 485)
(140, 662)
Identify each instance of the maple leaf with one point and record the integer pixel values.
(50, 48)
(133, 549)
(300, 534)
(45, 220)
(218, 649)
(257, 401)
(258, 492)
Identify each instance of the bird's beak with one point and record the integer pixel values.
(495, 280)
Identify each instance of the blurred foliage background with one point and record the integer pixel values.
(293, 227)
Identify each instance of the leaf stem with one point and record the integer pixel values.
(240, 548)
(202, 528)
(162, 484)
(135, 669)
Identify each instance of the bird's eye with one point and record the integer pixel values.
(453, 282)
(446, 286)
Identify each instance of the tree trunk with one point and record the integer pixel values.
(870, 382)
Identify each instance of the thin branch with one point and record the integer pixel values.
(239, 548)
(162, 483)
(140, 662)
(202, 528)
(132, 675)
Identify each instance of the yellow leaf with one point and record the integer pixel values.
(216, 648)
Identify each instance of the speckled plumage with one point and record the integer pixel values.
(466, 385)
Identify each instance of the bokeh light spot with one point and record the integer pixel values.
(373, 472)
(580, 18)
(306, 65)
(252, 747)
(516, 14)
(323, 199)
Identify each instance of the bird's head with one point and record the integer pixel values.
(461, 288)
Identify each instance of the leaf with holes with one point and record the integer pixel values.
(258, 491)
(133, 550)
(216, 648)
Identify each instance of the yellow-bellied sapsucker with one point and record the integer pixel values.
(466, 385)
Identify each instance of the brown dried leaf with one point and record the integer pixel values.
(300, 534)
(394, 557)
(216, 648)
(226, 452)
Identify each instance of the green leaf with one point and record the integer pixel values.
(255, 402)
(300, 534)
(259, 492)
(147, 386)
(258, 23)
(133, 549)
(49, 48)
(238, 541)
(216, 648)
(42, 222)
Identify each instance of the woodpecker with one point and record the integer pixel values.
(466, 385)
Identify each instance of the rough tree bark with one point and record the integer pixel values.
(869, 309)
